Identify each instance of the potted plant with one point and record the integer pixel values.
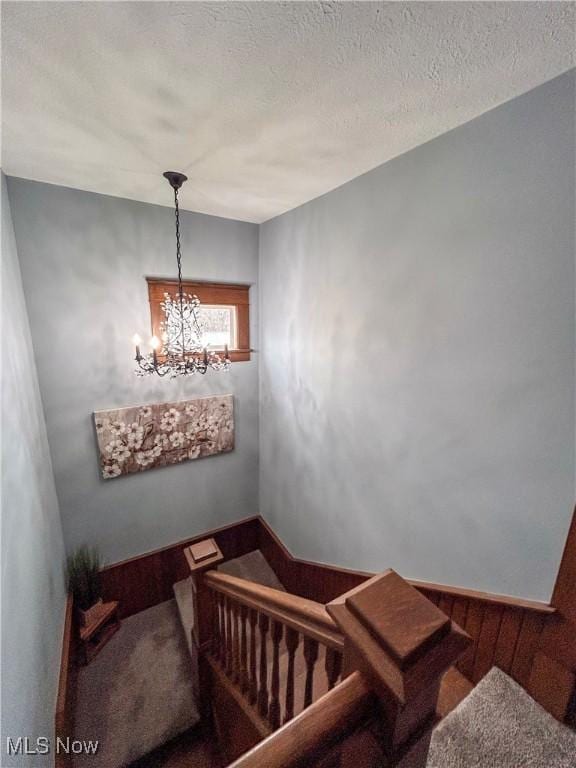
(83, 574)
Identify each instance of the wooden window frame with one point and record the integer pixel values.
(229, 294)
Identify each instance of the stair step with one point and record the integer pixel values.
(252, 566)
(498, 724)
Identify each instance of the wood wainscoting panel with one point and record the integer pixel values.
(526, 646)
(459, 611)
(507, 638)
(487, 642)
(552, 684)
(505, 630)
(552, 680)
(146, 580)
(473, 625)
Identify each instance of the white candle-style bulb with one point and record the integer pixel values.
(154, 342)
(136, 340)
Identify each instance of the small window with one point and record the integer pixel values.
(220, 325)
(224, 311)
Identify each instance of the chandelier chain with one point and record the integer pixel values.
(178, 253)
(179, 262)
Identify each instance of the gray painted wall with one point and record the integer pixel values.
(84, 258)
(33, 589)
(417, 371)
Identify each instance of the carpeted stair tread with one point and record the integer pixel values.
(254, 567)
(137, 693)
(499, 725)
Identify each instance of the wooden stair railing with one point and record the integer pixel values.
(255, 628)
(390, 644)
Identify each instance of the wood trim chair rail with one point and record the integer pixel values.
(534, 606)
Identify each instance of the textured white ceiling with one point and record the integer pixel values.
(264, 105)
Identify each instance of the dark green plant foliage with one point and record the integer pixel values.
(83, 575)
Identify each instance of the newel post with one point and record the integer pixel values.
(202, 557)
(403, 644)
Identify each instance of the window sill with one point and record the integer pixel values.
(239, 355)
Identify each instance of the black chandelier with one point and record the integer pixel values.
(182, 351)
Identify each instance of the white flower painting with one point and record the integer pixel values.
(144, 437)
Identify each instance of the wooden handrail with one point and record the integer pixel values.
(305, 616)
(328, 721)
(396, 644)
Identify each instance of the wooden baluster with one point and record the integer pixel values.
(311, 656)
(236, 646)
(243, 649)
(263, 689)
(253, 685)
(292, 641)
(222, 617)
(333, 666)
(274, 709)
(228, 610)
(215, 648)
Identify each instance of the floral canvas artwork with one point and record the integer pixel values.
(147, 436)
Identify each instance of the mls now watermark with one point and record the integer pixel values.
(24, 745)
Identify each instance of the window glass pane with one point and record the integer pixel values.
(218, 325)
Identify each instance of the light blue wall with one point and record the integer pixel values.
(84, 258)
(417, 371)
(33, 589)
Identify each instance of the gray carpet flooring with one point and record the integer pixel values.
(499, 725)
(137, 693)
(254, 567)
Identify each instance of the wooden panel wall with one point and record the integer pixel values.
(553, 676)
(147, 580)
(505, 631)
(503, 635)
